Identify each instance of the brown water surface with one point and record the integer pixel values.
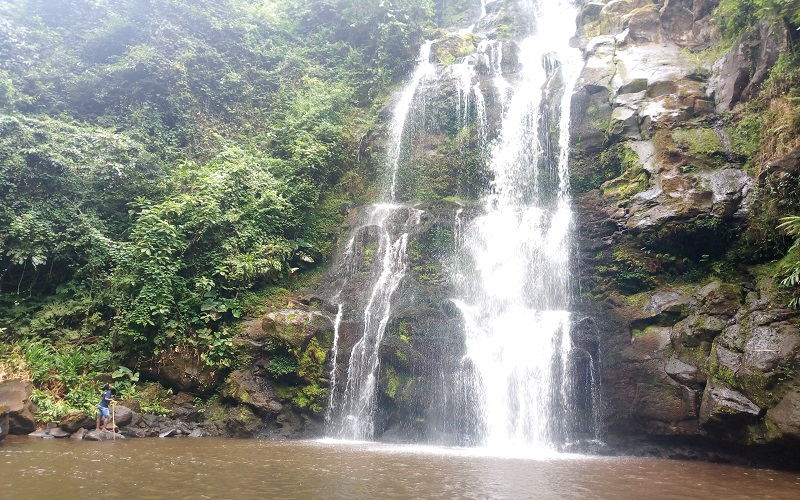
(225, 468)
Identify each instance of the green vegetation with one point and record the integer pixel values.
(164, 166)
(791, 268)
(612, 162)
(736, 16)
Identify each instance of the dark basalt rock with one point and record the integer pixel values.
(723, 406)
(4, 423)
(77, 420)
(122, 415)
(58, 433)
(788, 165)
(96, 435)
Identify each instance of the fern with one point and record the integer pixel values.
(790, 273)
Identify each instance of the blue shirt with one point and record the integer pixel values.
(106, 398)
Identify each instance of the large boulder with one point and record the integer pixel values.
(15, 394)
(246, 387)
(77, 420)
(786, 415)
(183, 372)
(241, 421)
(295, 327)
(724, 408)
(122, 415)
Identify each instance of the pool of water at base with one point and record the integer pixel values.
(229, 468)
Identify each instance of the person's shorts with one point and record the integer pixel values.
(102, 412)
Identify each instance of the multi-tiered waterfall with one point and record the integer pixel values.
(512, 383)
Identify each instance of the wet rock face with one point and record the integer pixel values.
(707, 364)
(658, 189)
(423, 341)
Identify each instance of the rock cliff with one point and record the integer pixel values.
(696, 340)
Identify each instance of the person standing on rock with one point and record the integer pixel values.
(102, 408)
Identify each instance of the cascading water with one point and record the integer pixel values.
(510, 384)
(513, 278)
(350, 416)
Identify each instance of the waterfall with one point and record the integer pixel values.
(400, 115)
(513, 279)
(351, 405)
(511, 385)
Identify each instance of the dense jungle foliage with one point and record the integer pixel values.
(159, 159)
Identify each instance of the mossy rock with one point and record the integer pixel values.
(454, 47)
(628, 184)
(245, 387)
(720, 370)
(294, 327)
(241, 421)
(397, 385)
(717, 298)
(702, 145)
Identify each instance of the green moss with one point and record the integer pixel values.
(702, 142)
(426, 254)
(311, 397)
(368, 253)
(591, 171)
(312, 361)
(721, 372)
(444, 56)
(646, 331)
(403, 332)
(697, 141)
(638, 300)
(284, 392)
(627, 185)
(455, 47)
(695, 356)
(214, 411)
(392, 382)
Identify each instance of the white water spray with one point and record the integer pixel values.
(424, 70)
(514, 280)
(351, 410)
